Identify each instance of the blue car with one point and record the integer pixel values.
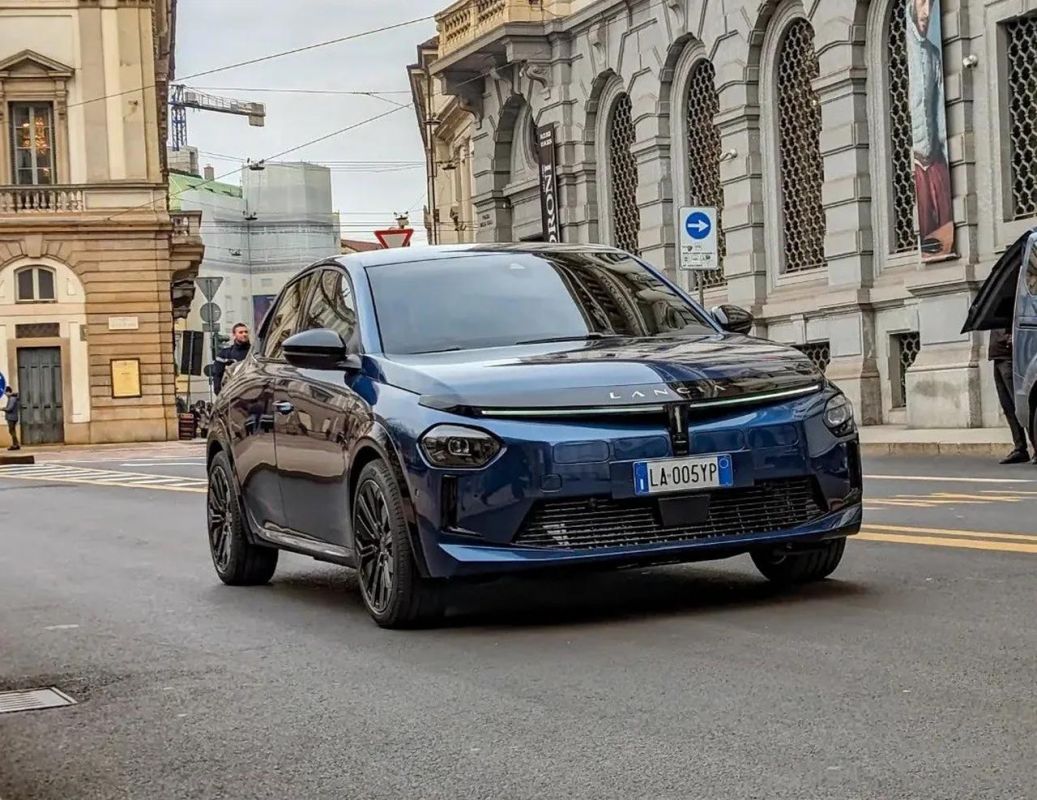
(432, 415)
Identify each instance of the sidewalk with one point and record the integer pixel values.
(897, 440)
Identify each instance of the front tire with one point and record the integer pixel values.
(238, 562)
(395, 593)
(793, 568)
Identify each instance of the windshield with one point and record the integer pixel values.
(498, 300)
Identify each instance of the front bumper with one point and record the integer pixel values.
(795, 482)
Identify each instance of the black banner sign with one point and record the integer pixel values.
(548, 184)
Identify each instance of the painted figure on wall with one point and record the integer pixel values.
(929, 124)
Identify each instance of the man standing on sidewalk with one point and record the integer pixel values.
(12, 411)
(1000, 353)
(228, 355)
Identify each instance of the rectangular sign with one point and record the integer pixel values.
(123, 323)
(125, 377)
(548, 183)
(697, 238)
(929, 128)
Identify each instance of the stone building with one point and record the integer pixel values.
(446, 134)
(93, 268)
(258, 234)
(793, 118)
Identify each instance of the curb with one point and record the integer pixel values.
(935, 449)
(8, 459)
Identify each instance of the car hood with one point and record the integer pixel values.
(605, 373)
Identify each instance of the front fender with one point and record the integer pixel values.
(376, 442)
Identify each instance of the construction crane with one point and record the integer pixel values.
(183, 98)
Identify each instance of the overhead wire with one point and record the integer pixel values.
(259, 59)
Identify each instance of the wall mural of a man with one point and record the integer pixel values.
(929, 123)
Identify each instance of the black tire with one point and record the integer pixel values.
(811, 565)
(394, 592)
(237, 560)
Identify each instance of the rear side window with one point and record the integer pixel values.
(331, 305)
(1031, 267)
(285, 318)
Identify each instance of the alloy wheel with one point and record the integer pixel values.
(221, 522)
(374, 546)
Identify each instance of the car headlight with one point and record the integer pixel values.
(458, 447)
(838, 416)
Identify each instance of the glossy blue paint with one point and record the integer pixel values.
(392, 401)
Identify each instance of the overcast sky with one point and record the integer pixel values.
(213, 33)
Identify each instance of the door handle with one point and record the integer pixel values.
(284, 408)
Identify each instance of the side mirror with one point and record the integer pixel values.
(733, 319)
(319, 348)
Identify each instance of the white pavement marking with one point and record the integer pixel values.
(944, 479)
(101, 477)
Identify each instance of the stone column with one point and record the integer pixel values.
(841, 90)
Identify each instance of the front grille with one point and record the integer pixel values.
(589, 523)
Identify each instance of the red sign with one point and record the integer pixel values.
(394, 237)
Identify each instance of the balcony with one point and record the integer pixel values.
(185, 257)
(468, 20)
(35, 200)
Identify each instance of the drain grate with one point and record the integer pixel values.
(33, 700)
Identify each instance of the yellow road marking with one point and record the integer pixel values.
(1025, 537)
(935, 541)
(983, 498)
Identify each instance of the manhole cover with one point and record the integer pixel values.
(33, 700)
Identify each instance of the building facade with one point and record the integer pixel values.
(93, 268)
(257, 235)
(446, 134)
(793, 118)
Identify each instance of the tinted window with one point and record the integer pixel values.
(26, 291)
(285, 317)
(1031, 268)
(331, 305)
(499, 299)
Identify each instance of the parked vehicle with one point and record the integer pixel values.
(431, 414)
(1007, 300)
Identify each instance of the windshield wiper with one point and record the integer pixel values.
(453, 349)
(585, 337)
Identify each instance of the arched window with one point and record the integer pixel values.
(799, 149)
(1021, 52)
(626, 218)
(703, 139)
(34, 285)
(901, 177)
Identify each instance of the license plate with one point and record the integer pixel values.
(683, 474)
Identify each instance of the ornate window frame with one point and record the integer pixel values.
(880, 15)
(28, 77)
(774, 238)
(602, 136)
(691, 58)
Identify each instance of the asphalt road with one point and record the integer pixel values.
(910, 674)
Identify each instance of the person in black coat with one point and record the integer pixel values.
(12, 412)
(999, 352)
(236, 351)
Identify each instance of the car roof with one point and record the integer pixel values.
(409, 255)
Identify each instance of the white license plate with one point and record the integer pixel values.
(683, 474)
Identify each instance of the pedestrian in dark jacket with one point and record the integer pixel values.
(236, 351)
(12, 412)
(1000, 353)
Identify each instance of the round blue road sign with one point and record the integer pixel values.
(3, 383)
(698, 225)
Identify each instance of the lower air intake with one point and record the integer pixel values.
(590, 523)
